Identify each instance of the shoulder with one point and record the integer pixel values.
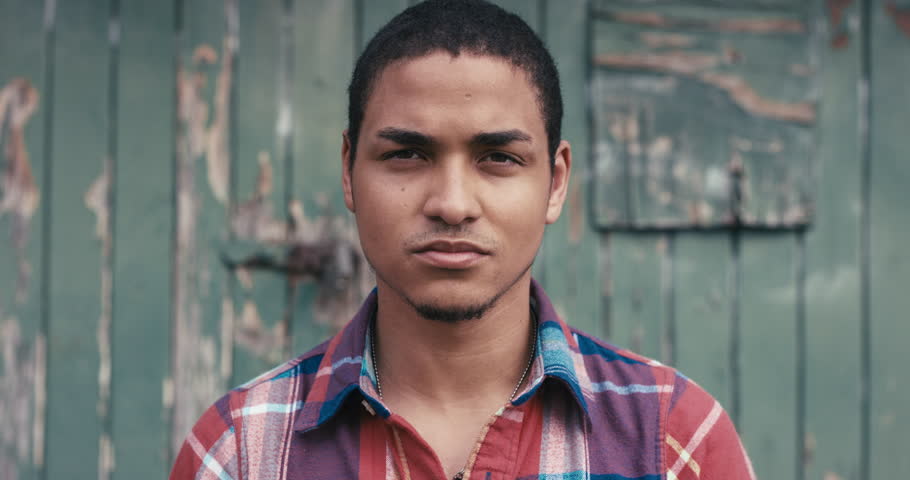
(700, 437)
(263, 407)
(605, 364)
(694, 434)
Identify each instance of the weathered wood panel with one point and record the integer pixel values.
(105, 117)
(768, 354)
(704, 277)
(259, 213)
(832, 284)
(640, 287)
(78, 371)
(329, 291)
(694, 123)
(203, 319)
(23, 210)
(887, 181)
(571, 272)
(143, 235)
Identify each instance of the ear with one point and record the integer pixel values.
(346, 170)
(559, 181)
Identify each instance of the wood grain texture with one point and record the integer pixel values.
(324, 54)
(889, 230)
(203, 319)
(832, 443)
(704, 290)
(570, 253)
(23, 202)
(768, 381)
(639, 311)
(686, 97)
(260, 211)
(79, 309)
(143, 239)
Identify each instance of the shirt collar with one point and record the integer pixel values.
(347, 368)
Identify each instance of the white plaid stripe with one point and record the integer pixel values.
(706, 425)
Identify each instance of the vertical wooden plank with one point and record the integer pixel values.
(768, 424)
(23, 211)
(203, 317)
(889, 234)
(143, 231)
(704, 280)
(260, 339)
(832, 264)
(638, 306)
(325, 49)
(78, 324)
(571, 248)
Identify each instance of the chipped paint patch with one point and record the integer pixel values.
(253, 219)
(667, 40)
(695, 66)
(19, 195)
(199, 372)
(741, 25)
(252, 335)
(840, 36)
(97, 199)
(106, 462)
(17, 396)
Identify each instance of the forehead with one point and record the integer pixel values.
(483, 90)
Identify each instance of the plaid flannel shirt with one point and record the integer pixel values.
(589, 411)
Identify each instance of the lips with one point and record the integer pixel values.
(451, 255)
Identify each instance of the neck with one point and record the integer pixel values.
(461, 365)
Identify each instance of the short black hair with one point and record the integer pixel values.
(473, 26)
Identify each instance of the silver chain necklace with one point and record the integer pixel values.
(521, 380)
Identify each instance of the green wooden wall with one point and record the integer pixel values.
(171, 225)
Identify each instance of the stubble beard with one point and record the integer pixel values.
(454, 314)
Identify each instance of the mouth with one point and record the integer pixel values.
(451, 255)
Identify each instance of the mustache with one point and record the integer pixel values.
(451, 232)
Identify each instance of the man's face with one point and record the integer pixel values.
(452, 185)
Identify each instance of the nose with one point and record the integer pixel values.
(452, 197)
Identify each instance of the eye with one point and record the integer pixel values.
(500, 159)
(402, 155)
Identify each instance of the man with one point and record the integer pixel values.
(457, 365)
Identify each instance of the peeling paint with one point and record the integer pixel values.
(97, 199)
(167, 392)
(217, 157)
(901, 17)
(693, 65)
(836, 14)
(672, 62)
(742, 25)
(20, 195)
(106, 462)
(253, 219)
(745, 96)
(667, 40)
(17, 396)
(324, 250)
(252, 335)
(227, 337)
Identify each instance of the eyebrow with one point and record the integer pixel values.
(500, 139)
(406, 137)
(403, 136)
